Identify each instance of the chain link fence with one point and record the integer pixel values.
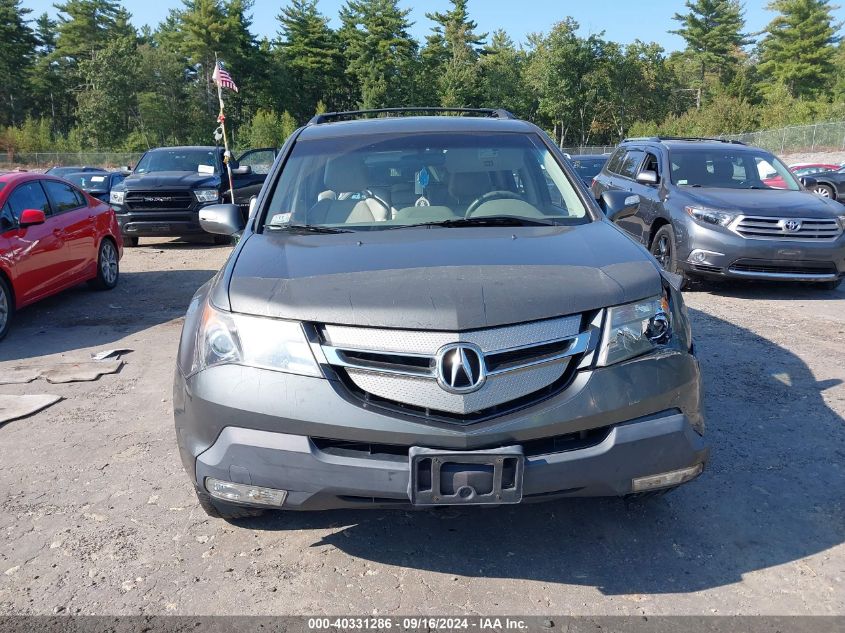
(817, 137)
(44, 160)
(589, 149)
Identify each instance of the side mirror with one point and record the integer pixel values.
(221, 219)
(126, 168)
(32, 217)
(808, 181)
(647, 177)
(241, 170)
(619, 204)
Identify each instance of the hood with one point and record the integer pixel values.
(170, 179)
(440, 278)
(779, 203)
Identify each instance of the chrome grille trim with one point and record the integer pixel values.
(760, 227)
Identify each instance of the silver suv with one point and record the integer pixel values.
(429, 310)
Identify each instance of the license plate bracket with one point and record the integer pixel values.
(485, 477)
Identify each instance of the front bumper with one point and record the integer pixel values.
(255, 426)
(730, 256)
(153, 223)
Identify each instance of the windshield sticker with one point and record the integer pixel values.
(205, 169)
(97, 178)
(280, 218)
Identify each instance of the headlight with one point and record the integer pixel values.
(207, 195)
(116, 197)
(841, 219)
(634, 329)
(226, 338)
(710, 216)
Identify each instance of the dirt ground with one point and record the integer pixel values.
(97, 516)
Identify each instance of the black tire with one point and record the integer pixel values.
(825, 191)
(227, 511)
(829, 285)
(108, 266)
(130, 241)
(7, 307)
(664, 251)
(222, 240)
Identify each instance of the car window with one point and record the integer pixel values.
(632, 160)
(376, 181)
(587, 167)
(196, 160)
(260, 160)
(651, 164)
(615, 161)
(28, 195)
(730, 168)
(7, 218)
(63, 196)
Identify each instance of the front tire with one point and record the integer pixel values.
(7, 307)
(108, 266)
(664, 251)
(217, 509)
(130, 241)
(825, 191)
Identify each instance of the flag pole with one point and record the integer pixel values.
(221, 119)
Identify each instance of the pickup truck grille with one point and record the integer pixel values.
(803, 229)
(413, 369)
(159, 200)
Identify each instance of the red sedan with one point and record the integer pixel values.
(52, 236)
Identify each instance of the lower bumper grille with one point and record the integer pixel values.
(783, 267)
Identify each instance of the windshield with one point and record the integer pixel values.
(729, 168)
(366, 183)
(587, 168)
(88, 181)
(196, 160)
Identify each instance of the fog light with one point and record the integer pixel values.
(700, 256)
(664, 480)
(244, 493)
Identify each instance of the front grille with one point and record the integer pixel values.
(399, 368)
(783, 267)
(159, 200)
(802, 229)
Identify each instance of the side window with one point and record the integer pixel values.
(260, 160)
(64, 196)
(28, 195)
(633, 159)
(652, 164)
(7, 218)
(614, 163)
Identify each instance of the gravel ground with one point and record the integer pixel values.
(97, 516)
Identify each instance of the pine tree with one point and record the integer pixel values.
(799, 47)
(17, 43)
(713, 33)
(455, 35)
(501, 76)
(88, 25)
(48, 86)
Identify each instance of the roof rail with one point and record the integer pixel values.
(326, 117)
(682, 138)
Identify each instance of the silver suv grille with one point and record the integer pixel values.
(460, 372)
(767, 228)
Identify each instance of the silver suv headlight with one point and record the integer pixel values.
(116, 197)
(710, 216)
(226, 338)
(206, 195)
(634, 329)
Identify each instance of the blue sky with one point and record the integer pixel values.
(622, 20)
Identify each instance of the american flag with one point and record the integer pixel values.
(223, 78)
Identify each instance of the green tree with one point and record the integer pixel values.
(86, 26)
(381, 55)
(17, 44)
(458, 46)
(798, 50)
(502, 76)
(310, 54)
(712, 30)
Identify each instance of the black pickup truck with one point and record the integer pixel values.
(164, 193)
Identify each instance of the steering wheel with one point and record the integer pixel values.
(499, 194)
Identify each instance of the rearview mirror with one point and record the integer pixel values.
(32, 217)
(619, 204)
(221, 219)
(647, 177)
(242, 170)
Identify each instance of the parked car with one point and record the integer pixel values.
(63, 170)
(415, 317)
(169, 185)
(588, 165)
(705, 212)
(52, 236)
(772, 179)
(98, 185)
(829, 184)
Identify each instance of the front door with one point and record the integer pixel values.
(75, 219)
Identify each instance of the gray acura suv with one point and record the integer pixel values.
(428, 310)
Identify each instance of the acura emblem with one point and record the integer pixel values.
(460, 368)
(792, 226)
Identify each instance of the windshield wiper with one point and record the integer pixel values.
(490, 220)
(305, 228)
